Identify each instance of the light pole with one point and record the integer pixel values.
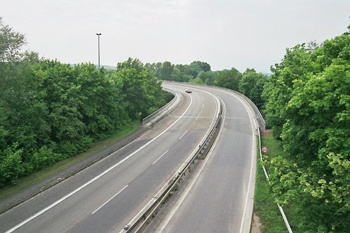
(98, 35)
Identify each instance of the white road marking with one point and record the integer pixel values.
(95, 178)
(183, 135)
(109, 199)
(200, 112)
(141, 211)
(253, 154)
(199, 171)
(160, 156)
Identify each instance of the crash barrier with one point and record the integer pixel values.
(163, 111)
(258, 116)
(142, 218)
(267, 177)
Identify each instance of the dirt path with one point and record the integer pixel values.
(257, 226)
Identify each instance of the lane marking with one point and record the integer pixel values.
(192, 181)
(183, 135)
(200, 112)
(95, 178)
(110, 199)
(253, 157)
(211, 125)
(141, 211)
(160, 157)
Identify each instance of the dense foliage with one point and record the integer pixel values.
(50, 111)
(308, 107)
(250, 83)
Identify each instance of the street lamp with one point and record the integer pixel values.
(98, 35)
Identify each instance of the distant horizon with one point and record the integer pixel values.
(115, 67)
(225, 34)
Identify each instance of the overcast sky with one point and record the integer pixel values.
(224, 33)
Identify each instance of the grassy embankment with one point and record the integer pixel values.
(28, 181)
(265, 205)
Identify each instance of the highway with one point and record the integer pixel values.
(219, 195)
(106, 196)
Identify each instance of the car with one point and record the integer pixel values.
(188, 91)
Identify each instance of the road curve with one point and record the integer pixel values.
(219, 196)
(108, 194)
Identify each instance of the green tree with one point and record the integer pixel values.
(310, 98)
(21, 111)
(252, 86)
(278, 91)
(166, 71)
(201, 66)
(11, 165)
(207, 77)
(228, 79)
(140, 88)
(10, 55)
(101, 100)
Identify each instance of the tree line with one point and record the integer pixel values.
(306, 102)
(308, 107)
(50, 111)
(250, 83)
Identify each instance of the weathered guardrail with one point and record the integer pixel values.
(156, 116)
(141, 219)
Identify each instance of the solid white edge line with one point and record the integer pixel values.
(160, 157)
(189, 187)
(94, 179)
(216, 113)
(253, 156)
(109, 199)
(143, 209)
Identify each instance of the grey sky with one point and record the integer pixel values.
(224, 33)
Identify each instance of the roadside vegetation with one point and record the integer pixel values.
(36, 177)
(51, 111)
(308, 108)
(264, 204)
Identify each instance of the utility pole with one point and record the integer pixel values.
(98, 35)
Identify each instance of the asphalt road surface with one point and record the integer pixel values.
(219, 196)
(109, 194)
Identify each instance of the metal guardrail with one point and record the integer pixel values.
(267, 177)
(163, 109)
(203, 150)
(260, 118)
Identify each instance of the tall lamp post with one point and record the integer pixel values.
(98, 35)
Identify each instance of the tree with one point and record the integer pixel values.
(201, 66)
(309, 97)
(229, 79)
(50, 111)
(166, 71)
(252, 86)
(21, 111)
(278, 91)
(140, 88)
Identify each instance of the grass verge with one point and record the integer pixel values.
(264, 205)
(34, 178)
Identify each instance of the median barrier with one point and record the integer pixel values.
(148, 211)
(158, 115)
